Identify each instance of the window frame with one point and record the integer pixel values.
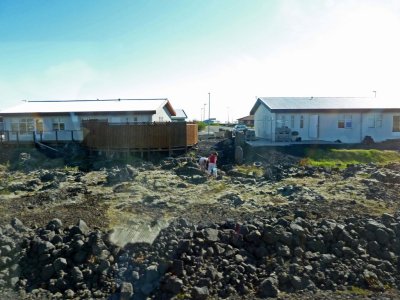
(58, 124)
(23, 126)
(345, 121)
(292, 119)
(397, 128)
(375, 120)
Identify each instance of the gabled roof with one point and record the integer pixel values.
(180, 114)
(82, 106)
(275, 104)
(247, 118)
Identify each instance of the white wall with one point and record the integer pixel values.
(328, 125)
(162, 115)
(383, 132)
(71, 123)
(264, 123)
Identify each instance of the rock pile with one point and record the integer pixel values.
(267, 256)
(11, 254)
(121, 174)
(261, 257)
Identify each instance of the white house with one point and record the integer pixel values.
(345, 119)
(62, 120)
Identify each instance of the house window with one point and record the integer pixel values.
(345, 121)
(301, 121)
(22, 126)
(58, 124)
(134, 119)
(281, 122)
(291, 121)
(396, 123)
(375, 121)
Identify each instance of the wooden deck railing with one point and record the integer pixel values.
(101, 135)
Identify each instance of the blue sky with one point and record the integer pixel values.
(183, 49)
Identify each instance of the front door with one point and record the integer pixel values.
(313, 126)
(39, 129)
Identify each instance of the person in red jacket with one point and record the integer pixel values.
(212, 163)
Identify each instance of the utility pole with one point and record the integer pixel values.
(228, 114)
(209, 111)
(204, 112)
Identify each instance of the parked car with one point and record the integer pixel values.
(239, 128)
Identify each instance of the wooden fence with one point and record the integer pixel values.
(101, 135)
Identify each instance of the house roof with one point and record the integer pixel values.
(324, 103)
(247, 118)
(81, 106)
(180, 114)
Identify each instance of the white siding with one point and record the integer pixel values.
(264, 124)
(162, 115)
(71, 123)
(383, 132)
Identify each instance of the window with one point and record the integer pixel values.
(291, 121)
(281, 121)
(396, 123)
(134, 119)
(301, 121)
(22, 126)
(345, 121)
(15, 127)
(375, 121)
(58, 124)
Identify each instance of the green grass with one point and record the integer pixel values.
(249, 169)
(218, 187)
(355, 290)
(201, 125)
(343, 157)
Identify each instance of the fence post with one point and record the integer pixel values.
(57, 136)
(41, 136)
(17, 137)
(34, 137)
(72, 135)
(8, 135)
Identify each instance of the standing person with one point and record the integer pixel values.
(203, 161)
(212, 163)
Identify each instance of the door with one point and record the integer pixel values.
(39, 130)
(313, 127)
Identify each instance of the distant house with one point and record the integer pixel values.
(180, 116)
(62, 120)
(344, 119)
(248, 120)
